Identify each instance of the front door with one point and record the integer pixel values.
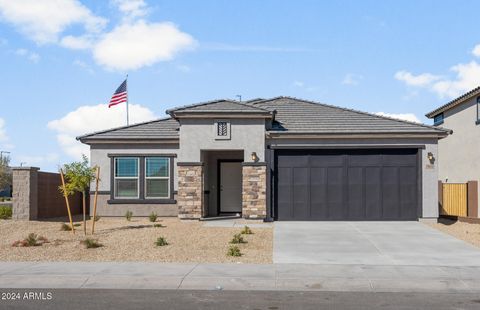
(230, 184)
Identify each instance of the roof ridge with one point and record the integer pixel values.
(453, 102)
(205, 103)
(355, 111)
(198, 104)
(123, 127)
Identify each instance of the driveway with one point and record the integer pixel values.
(369, 243)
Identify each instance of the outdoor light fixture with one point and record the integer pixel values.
(430, 157)
(254, 157)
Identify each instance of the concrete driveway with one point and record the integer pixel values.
(369, 243)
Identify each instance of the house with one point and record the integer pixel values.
(275, 159)
(459, 160)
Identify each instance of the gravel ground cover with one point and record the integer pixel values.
(188, 241)
(461, 230)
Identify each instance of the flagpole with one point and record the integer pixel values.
(126, 88)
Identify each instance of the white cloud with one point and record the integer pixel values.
(83, 66)
(38, 160)
(410, 79)
(402, 116)
(132, 46)
(77, 43)
(352, 79)
(476, 50)
(87, 119)
(32, 56)
(132, 8)
(3, 131)
(43, 21)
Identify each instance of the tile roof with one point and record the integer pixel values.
(166, 128)
(302, 116)
(218, 106)
(454, 102)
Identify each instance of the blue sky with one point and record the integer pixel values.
(61, 60)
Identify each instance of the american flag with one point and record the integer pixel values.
(120, 95)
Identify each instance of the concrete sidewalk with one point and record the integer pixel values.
(287, 277)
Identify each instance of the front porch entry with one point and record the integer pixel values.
(223, 182)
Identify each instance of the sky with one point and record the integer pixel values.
(61, 60)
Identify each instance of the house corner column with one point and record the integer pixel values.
(254, 190)
(190, 199)
(25, 193)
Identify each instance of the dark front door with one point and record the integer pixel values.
(230, 186)
(371, 184)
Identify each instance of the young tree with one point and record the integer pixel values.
(5, 173)
(78, 176)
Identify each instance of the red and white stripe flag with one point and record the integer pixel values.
(120, 95)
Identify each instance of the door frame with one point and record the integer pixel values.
(219, 181)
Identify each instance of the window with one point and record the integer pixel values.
(126, 177)
(157, 177)
(222, 130)
(478, 110)
(438, 119)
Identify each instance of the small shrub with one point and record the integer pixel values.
(31, 240)
(234, 251)
(158, 226)
(96, 218)
(246, 231)
(65, 227)
(238, 238)
(5, 212)
(161, 241)
(91, 243)
(128, 215)
(153, 217)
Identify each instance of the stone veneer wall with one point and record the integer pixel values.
(25, 191)
(254, 187)
(190, 191)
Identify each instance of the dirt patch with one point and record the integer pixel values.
(189, 241)
(465, 231)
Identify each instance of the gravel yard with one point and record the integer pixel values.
(461, 230)
(189, 241)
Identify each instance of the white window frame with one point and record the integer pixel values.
(115, 191)
(157, 178)
(215, 129)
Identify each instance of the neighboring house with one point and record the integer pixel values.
(459, 159)
(275, 159)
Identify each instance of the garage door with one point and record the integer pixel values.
(373, 184)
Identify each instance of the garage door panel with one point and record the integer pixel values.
(301, 184)
(284, 193)
(390, 193)
(355, 203)
(318, 193)
(374, 184)
(335, 193)
(373, 193)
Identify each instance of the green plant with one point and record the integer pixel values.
(5, 212)
(91, 243)
(128, 215)
(153, 217)
(234, 251)
(161, 241)
(238, 238)
(158, 226)
(31, 240)
(78, 176)
(246, 231)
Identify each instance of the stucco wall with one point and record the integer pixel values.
(198, 134)
(429, 171)
(105, 209)
(99, 156)
(459, 153)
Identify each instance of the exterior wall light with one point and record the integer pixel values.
(254, 157)
(430, 157)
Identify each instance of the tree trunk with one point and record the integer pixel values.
(84, 214)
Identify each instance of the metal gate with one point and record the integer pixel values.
(454, 199)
